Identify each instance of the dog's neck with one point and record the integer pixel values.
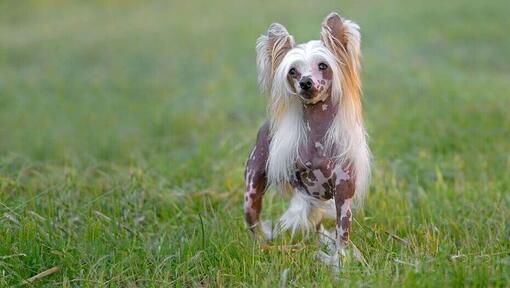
(318, 118)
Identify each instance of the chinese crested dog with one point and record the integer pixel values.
(314, 142)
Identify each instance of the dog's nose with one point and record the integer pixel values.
(305, 83)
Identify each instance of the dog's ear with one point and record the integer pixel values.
(333, 29)
(271, 48)
(342, 38)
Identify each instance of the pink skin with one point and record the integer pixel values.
(321, 79)
(317, 76)
(255, 178)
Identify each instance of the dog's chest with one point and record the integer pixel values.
(316, 173)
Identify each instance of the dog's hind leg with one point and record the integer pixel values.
(256, 184)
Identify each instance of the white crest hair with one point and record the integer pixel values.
(345, 139)
(347, 133)
(271, 48)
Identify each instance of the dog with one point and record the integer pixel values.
(313, 143)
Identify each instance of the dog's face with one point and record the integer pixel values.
(309, 71)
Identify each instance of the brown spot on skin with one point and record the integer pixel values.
(319, 87)
(328, 190)
(346, 221)
(308, 177)
(345, 238)
(327, 74)
(315, 156)
(346, 189)
(256, 177)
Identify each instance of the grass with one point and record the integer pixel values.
(124, 128)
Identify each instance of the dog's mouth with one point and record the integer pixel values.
(309, 96)
(314, 95)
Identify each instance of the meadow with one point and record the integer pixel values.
(124, 128)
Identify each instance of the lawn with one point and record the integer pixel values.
(124, 127)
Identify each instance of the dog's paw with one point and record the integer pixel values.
(328, 259)
(327, 239)
(267, 230)
(264, 231)
(334, 260)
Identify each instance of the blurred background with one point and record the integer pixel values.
(145, 112)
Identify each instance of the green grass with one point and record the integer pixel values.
(124, 128)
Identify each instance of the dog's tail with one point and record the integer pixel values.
(301, 215)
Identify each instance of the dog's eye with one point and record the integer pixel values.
(292, 71)
(323, 66)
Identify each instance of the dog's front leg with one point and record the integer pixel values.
(344, 192)
(343, 200)
(343, 222)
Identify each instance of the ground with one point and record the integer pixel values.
(124, 128)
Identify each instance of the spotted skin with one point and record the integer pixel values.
(256, 178)
(320, 183)
(321, 79)
(316, 173)
(343, 201)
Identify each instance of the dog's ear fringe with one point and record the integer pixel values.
(342, 38)
(271, 48)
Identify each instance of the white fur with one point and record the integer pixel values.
(348, 131)
(265, 59)
(305, 213)
(286, 139)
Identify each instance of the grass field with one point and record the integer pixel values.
(124, 128)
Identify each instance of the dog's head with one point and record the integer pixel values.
(312, 71)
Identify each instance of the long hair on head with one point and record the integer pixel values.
(347, 138)
(285, 114)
